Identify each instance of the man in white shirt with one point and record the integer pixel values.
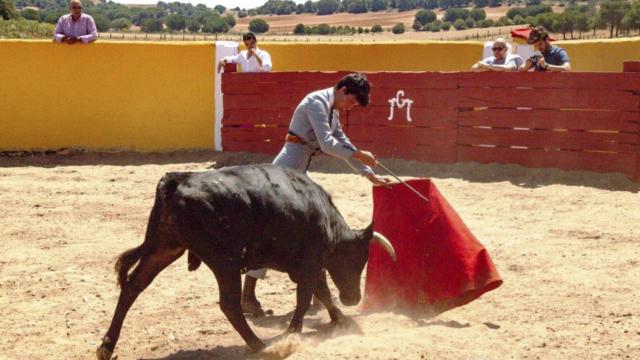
(501, 59)
(251, 60)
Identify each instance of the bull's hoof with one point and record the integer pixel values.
(336, 315)
(103, 353)
(254, 309)
(256, 347)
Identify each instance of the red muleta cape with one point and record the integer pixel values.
(440, 263)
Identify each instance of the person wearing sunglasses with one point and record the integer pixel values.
(75, 27)
(501, 59)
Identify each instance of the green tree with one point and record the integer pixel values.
(215, 25)
(151, 25)
(470, 23)
(327, 7)
(445, 26)
(102, 22)
(417, 25)
(299, 29)
(7, 10)
(454, 14)
(30, 14)
(406, 5)
(519, 20)
(230, 20)
(612, 12)
(425, 17)
(376, 28)
(398, 28)
(220, 9)
(310, 7)
(193, 25)
(323, 29)
(481, 3)
(357, 7)
(433, 27)
(379, 5)
(258, 26)
(121, 24)
(486, 23)
(504, 21)
(460, 24)
(176, 22)
(478, 14)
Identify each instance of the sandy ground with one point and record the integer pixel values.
(566, 244)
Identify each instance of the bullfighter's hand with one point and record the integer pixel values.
(378, 180)
(366, 158)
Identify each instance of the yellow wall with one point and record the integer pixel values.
(390, 56)
(107, 95)
(601, 55)
(160, 96)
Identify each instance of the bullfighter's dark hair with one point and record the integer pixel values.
(248, 36)
(358, 85)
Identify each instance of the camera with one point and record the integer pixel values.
(535, 57)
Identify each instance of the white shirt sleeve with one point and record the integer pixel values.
(266, 61)
(234, 59)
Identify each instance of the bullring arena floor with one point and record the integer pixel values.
(565, 243)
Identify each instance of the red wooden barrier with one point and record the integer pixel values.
(578, 121)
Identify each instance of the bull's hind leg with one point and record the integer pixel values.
(148, 268)
(227, 273)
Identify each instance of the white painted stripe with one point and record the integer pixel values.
(223, 48)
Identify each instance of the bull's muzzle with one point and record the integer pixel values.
(385, 243)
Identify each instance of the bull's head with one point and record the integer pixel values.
(347, 262)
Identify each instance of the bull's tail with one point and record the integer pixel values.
(126, 261)
(129, 258)
(165, 190)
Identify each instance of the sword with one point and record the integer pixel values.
(403, 182)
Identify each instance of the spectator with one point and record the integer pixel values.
(251, 60)
(546, 56)
(76, 26)
(501, 59)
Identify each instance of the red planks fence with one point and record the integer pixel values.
(578, 121)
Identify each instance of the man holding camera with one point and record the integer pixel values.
(546, 57)
(75, 27)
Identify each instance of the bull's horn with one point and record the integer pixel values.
(385, 243)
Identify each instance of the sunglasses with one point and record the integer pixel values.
(497, 48)
(77, 7)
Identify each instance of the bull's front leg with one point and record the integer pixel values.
(323, 293)
(229, 283)
(304, 293)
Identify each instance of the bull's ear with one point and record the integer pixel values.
(367, 233)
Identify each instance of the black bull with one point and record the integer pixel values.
(247, 217)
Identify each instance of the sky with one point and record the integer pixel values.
(246, 4)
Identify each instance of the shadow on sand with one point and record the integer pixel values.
(473, 172)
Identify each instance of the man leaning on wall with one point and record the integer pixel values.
(546, 57)
(251, 60)
(75, 27)
(501, 59)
